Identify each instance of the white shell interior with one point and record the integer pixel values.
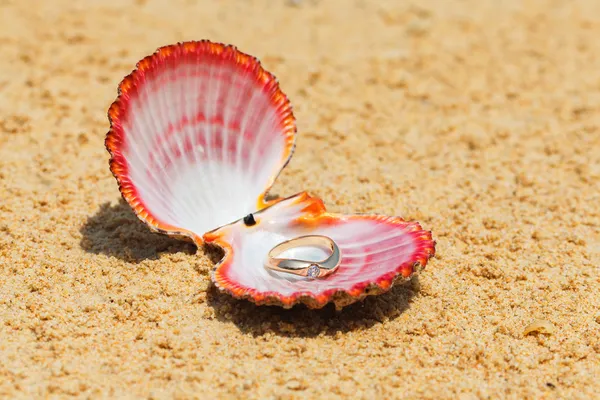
(369, 249)
(202, 143)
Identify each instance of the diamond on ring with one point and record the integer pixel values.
(313, 271)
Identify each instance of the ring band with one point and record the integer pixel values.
(309, 269)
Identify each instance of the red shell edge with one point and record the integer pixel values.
(340, 297)
(115, 137)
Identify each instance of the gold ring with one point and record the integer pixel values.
(309, 269)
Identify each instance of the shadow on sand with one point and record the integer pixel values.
(301, 321)
(116, 231)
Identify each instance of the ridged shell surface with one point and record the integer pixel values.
(198, 135)
(376, 252)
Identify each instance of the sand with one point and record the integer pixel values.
(480, 119)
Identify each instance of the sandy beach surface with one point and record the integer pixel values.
(480, 119)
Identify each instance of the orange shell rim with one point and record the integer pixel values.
(115, 137)
(341, 297)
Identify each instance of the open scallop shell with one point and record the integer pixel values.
(376, 252)
(199, 133)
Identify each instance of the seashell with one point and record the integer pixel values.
(377, 251)
(199, 133)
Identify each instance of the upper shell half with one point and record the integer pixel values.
(199, 133)
(376, 252)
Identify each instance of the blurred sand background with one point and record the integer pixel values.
(480, 119)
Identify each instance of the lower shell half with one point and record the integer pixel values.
(377, 252)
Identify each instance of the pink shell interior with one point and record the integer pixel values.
(198, 134)
(376, 251)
